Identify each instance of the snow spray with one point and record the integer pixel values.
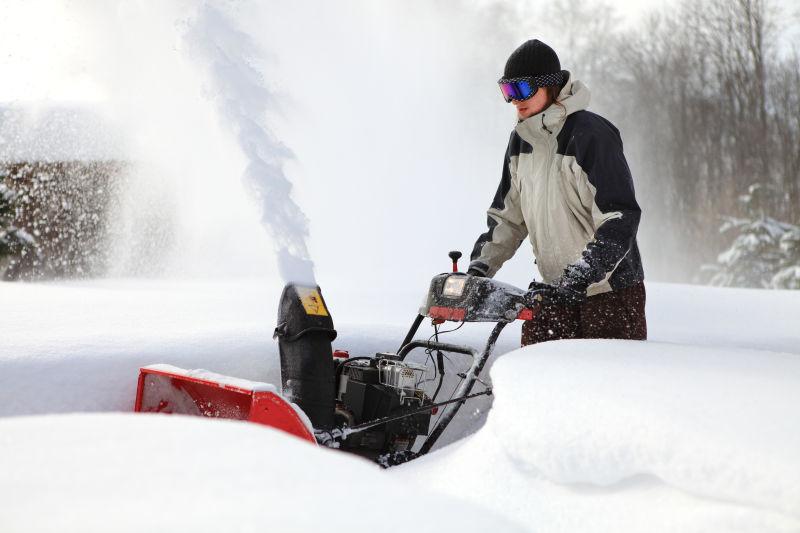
(226, 53)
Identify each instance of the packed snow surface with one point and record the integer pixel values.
(695, 430)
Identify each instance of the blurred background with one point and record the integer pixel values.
(389, 129)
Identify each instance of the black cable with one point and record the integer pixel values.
(451, 330)
(436, 334)
(440, 356)
(440, 364)
(428, 357)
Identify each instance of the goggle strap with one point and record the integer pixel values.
(543, 80)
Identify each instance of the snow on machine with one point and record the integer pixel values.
(377, 407)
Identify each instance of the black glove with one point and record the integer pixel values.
(575, 281)
(554, 294)
(475, 272)
(568, 296)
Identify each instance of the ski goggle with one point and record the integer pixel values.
(517, 89)
(524, 88)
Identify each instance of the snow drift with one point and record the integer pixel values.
(621, 435)
(158, 473)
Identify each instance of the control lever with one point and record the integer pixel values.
(455, 255)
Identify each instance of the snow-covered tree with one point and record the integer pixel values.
(764, 252)
(788, 277)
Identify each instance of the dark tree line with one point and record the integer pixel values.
(54, 218)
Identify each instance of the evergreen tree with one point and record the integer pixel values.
(765, 252)
(788, 277)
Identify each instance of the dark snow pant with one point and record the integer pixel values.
(610, 315)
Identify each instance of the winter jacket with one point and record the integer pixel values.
(566, 185)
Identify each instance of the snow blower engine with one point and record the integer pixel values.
(378, 406)
(345, 392)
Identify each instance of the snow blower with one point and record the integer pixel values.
(376, 406)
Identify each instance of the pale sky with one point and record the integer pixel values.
(47, 52)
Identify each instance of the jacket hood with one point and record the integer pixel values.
(574, 96)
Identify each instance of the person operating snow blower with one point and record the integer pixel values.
(566, 185)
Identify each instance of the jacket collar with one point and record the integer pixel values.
(574, 96)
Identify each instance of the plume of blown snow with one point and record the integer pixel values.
(228, 56)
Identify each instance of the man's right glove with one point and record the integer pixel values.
(555, 294)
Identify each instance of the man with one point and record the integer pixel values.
(566, 185)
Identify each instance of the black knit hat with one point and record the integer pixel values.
(534, 58)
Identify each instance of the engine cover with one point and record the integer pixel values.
(378, 388)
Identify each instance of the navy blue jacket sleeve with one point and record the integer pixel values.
(598, 150)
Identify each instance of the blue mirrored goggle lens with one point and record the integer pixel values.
(517, 90)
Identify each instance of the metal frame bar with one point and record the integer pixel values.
(466, 386)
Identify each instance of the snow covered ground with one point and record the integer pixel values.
(695, 430)
(625, 436)
(100, 473)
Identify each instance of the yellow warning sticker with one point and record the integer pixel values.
(312, 301)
